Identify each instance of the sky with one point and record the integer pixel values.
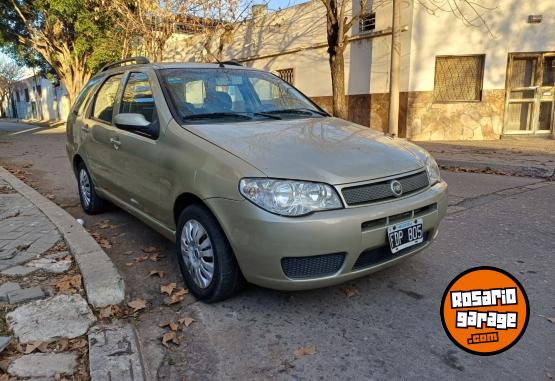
(276, 4)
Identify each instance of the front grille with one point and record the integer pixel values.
(312, 267)
(382, 254)
(363, 194)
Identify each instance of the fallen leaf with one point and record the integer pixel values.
(173, 326)
(177, 296)
(137, 304)
(350, 291)
(551, 319)
(159, 273)
(129, 264)
(170, 336)
(305, 351)
(67, 283)
(75, 281)
(186, 321)
(50, 196)
(168, 288)
(81, 343)
(105, 312)
(156, 257)
(62, 345)
(60, 246)
(151, 249)
(104, 224)
(105, 244)
(22, 247)
(40, 345)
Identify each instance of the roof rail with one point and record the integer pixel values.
(231, 63)
(136, 60)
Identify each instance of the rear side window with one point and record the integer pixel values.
(80, 103)
(138, 98)
(106, 98)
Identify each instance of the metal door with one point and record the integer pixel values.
(530, 95)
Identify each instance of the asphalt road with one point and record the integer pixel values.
(390, 330)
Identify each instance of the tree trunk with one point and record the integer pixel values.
(73, 79)
(337, 68)
(2, 112)
(395, 70)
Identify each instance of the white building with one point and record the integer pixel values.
(38, 99)
(457, 82)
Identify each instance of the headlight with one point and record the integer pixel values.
(433, 170)
(288, 197)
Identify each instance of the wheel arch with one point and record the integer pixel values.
(77, 159)
(183, 201)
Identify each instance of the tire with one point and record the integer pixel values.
(226, 279)
(90, 201)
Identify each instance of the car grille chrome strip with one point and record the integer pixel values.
(382, 190)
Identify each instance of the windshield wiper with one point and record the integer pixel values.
(243, 115)
(302, 111)
(216, 115)
(267, 115)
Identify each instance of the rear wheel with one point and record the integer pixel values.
(90, 201)
(206, 259)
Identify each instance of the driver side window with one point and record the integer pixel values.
(138, 98)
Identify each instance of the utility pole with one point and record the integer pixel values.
(394, 70)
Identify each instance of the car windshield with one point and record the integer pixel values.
(221, 95)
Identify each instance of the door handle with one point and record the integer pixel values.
(115, 142)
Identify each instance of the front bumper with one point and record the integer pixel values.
(260, 239)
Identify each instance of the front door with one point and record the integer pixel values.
(530, 95)
(139, 152)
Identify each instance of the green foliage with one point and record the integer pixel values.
(81, 25)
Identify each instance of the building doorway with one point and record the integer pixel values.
(530, 94)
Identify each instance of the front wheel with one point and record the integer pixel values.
(206, 259)
(90, 201)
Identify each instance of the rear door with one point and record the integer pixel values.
(101, 144)
(77, 122)
(138, 154)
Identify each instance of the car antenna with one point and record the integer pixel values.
(217, 60)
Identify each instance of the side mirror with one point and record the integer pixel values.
(132, 122)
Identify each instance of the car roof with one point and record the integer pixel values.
(173, 65)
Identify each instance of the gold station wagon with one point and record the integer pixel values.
(250, 178)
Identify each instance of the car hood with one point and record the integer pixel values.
(326, 149)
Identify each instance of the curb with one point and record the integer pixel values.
(103, 283)
(515, 170)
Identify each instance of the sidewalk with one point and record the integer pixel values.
(53, 279)
(518, 157)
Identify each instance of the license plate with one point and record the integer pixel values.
(405, 234)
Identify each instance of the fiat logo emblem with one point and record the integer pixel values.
(396, 188)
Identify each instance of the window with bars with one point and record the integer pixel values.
(459, 78)
(367, 22)
(286, 75)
